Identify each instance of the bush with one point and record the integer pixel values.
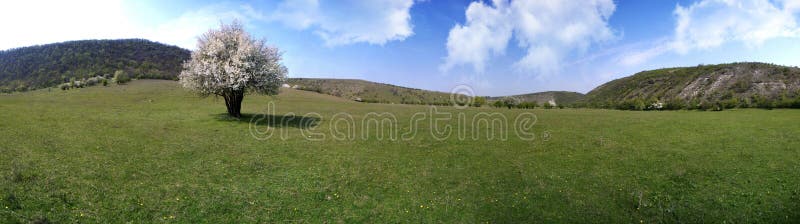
(510, 102)
(730, 103)
(498, 104)
(64, 86)
(121, 77)
(478, 101)
(763, 102)
(91, 81)
(105, 82)
(526, 105)
(796, 103)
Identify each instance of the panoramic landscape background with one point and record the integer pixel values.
(312, 111)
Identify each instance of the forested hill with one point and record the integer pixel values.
(51, 64)
(703, 87)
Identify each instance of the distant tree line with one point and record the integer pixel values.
(41, 66)
(784, 100)
(513, 102)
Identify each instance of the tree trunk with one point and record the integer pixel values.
(233, 101)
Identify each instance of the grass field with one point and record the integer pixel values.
(152, 152)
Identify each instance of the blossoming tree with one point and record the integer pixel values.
(229, 63)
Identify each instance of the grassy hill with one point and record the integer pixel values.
(557, 97)
(48, 65)
(371, 92)
(150, 152)
(724, 85)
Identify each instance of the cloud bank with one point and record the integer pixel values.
(335, 22)
(549, 31)
(708, 24)
(348, 22)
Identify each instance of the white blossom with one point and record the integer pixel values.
(230, 60)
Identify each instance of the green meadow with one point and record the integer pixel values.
(151, 152)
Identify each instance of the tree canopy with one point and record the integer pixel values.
(228, 62)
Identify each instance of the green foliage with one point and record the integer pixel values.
(674, 104)
(510, 102)
(527, 105)
(731, 103)
(478, 101)
(121, 77)
(52, 64)
(498, 104)
(761, 101)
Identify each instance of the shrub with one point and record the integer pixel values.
(796, 103)
(498, 104)
(65, 86)
(105, 82)
(526, 105)
(639, 104)
(510, 102)
(121, 77)
(730, 103)
(478, 101)
(674, 104)
(91, 81)
(763, 102)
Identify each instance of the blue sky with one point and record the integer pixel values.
(496, 47)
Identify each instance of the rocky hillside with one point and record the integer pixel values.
(48, 65)
(702, 87)
(371, 92)
(552, 97)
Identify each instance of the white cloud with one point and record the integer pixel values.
(635, 54)
(487, 31)
(348, 22)
(549, 31)
(711, 23)
(790, 5)
(35, 22)
(184, 29)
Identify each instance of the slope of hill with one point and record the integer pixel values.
(372, 92)
(51, 64)
(702, 87)
(553, 97)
